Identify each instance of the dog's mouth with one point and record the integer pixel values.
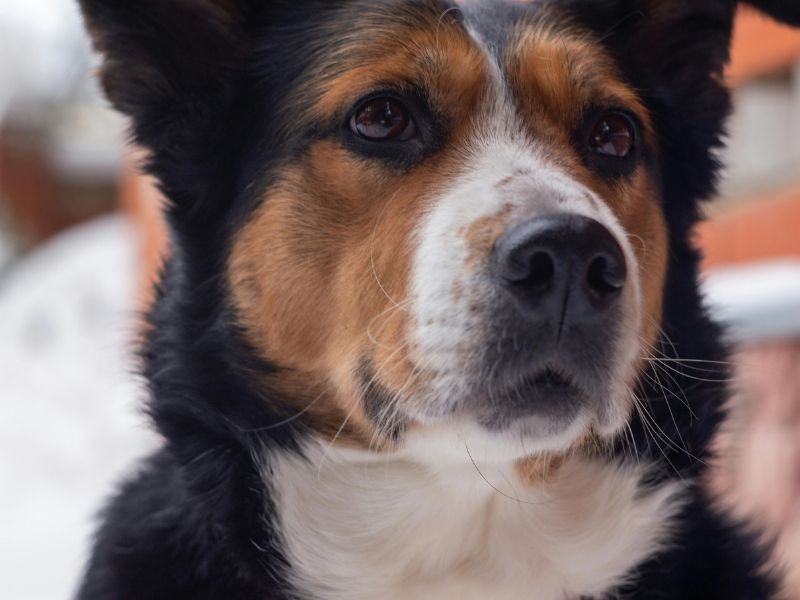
(541, 388)
(548, 395)
(552, 382)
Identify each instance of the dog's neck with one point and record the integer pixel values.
(360, 525)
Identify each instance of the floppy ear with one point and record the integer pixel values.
(173, 67)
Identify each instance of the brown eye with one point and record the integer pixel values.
(383, 119)
(613, 136)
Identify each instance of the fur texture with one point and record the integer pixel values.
(344, 391)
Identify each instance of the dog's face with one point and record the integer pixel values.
(454, 220)
(472, 235)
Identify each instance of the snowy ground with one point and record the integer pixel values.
(69, 421)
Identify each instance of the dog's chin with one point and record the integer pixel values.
(463, 440)
(539, 404)
(542, 414)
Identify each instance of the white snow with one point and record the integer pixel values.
(758, 301)
(70, 425)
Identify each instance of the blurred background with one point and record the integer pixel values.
(81, 239)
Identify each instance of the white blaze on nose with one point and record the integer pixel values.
(509, 181)
(505, 179)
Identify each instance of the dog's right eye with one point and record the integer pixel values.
(383, 119)
(613, 136)
(610, 142)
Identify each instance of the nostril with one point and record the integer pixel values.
(539, 272)
(522, 263)
(542, 261)
(606, 276)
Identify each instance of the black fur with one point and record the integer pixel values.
(202, 82)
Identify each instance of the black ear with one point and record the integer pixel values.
(173, 67)
(675, 53)
(159, 51)
(691, 37)
(690, 24)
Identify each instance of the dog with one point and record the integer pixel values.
(430, 324)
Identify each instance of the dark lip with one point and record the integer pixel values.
(548, 393)
(553, 380)
(547, 381)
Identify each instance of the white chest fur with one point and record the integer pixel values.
(365, 527)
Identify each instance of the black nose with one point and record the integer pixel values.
(561, 266)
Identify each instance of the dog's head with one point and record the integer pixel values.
(438, 223)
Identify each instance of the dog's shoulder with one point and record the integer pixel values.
(166, 537)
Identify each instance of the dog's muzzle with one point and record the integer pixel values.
(559, 280)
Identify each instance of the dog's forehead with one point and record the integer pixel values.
(494, 22)
(427, 36)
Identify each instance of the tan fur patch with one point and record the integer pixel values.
(483, 233)
(539, 469)
(321, 273)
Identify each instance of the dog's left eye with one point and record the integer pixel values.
(613, 136)
(383, 119)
